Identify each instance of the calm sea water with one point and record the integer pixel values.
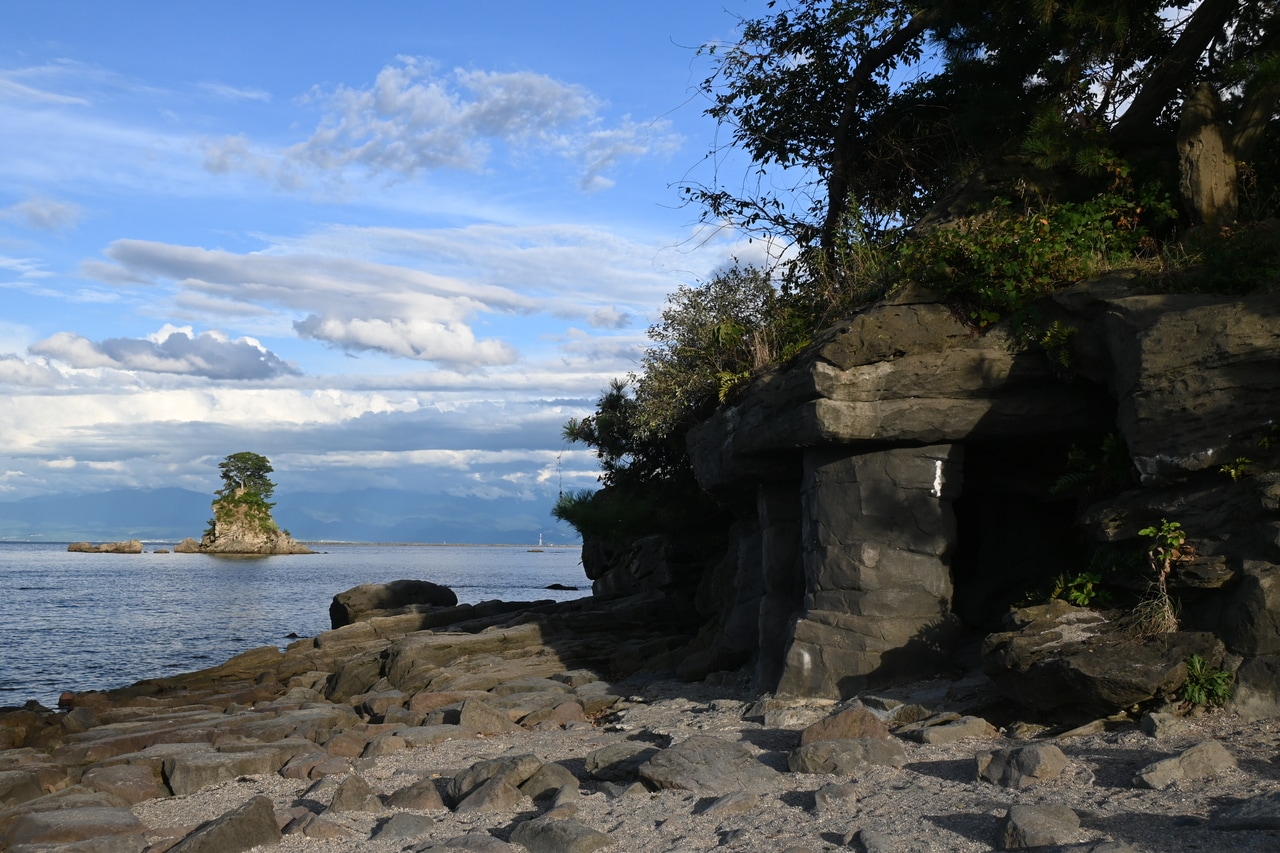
(97, 621)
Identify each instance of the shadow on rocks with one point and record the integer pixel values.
(772, 739)
(1182, 832)
(951, 770)
(1116, 768)
(982, 828)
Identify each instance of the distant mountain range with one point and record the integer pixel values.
(369, 515)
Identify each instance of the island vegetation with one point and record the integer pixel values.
(242, 522)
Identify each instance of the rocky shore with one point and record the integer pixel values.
(557, 727)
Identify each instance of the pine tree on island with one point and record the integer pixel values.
(242, 522)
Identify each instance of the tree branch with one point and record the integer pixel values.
(839, 180)
(1172, 73)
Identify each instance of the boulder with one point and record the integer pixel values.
(380, 599)
(251, 825)
(708, 765)
(1039, 826)
(846, 757)
(1202, 761)
(1057, 656)
(187, 546)
(1021, 766)
(559, 836)
(849, 724)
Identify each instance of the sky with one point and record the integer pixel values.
(391, 245)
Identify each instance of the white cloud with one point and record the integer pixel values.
(171, 350)
(414, 118)
(11, 89)
(26, 268)
(47, 214)
(22, 373)
(225, 92)
(609, 317)
(428, 340)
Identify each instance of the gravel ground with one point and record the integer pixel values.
(933, 804)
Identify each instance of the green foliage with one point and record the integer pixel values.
(1167, 537)
(993, 264)
(1082, 590)
(1237, 469)
(246, 490)
(1157, 613)
(246, 472)
(1206, 685)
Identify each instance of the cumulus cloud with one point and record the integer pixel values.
(415, 118)
(47, 214)
(18, 371)
(448, 342)
(171, 350)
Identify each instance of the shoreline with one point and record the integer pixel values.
(313, 742)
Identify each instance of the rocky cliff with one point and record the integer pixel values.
(894, 487)
(242, 526)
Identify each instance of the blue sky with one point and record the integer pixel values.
(390, 245)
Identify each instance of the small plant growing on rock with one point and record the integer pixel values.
(1156, 613)
(1238, 468)
(1082, 590)
(1206, 685)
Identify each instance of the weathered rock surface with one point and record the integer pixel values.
(239, 528)
(909, 463)
(707, 765)
(387, 599)
(132, 546)
(1202, 761)
(251, 825)
(1059, 656)
(1021, 766)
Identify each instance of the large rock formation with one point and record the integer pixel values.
(246, 527)
(894, 482)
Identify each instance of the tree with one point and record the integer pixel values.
(246, 473)
(864, 114)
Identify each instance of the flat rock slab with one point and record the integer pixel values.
(619, 762)
(1258, 813)
(846, 757)
(251, 825)
(708, 765)
(65, 826)
(1202, 761)
(189, 773)
(1039, 826)
(559, 836)
(965, 728)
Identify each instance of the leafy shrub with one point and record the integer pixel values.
(996, 262)
(1206, 685)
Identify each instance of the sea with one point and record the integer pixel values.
(74, 621)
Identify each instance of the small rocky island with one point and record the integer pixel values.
(242, 522)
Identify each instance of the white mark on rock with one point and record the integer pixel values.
(937, 478)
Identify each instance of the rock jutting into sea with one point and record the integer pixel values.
(133, 546)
